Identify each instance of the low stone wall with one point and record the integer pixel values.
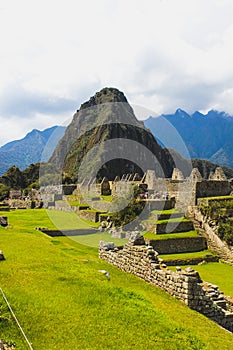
(178, 245)
(62, 205)
(24, 204)
(58, 233)
(170, 227)
(186, 285)
(89, 215)
(159, 204)
(4, 207)
(166, 216)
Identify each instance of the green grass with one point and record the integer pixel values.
(68, 220)
(151, 235)
(62, 301)
(192, 255)
(167, 220)
(107, 198)
(94, 239)
(77, 204)
(218, 197)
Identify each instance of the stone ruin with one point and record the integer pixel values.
(186, 285)
(186, 191)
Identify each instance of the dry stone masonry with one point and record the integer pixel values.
(186, 285)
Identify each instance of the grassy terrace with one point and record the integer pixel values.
(151, 235)
(201, 254)
(62, 301)
(168, 220)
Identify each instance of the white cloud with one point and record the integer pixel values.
(164, 54)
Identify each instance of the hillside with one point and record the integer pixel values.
(62, 300)
(107, 116)
(205, 136)
(36, 146)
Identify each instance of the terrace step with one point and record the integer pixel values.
(178, 245)
(168, 226)
(164, 216)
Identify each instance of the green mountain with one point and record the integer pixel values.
(105, 139)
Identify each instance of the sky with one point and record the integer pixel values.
(163, 54)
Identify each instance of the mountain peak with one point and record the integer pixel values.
(106, 95)
(181, 113)
(197, 114)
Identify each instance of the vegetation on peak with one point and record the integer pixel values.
(106, 95)
(98, 121)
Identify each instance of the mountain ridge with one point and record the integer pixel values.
(206, 136)
(34, 147)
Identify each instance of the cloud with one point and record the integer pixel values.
(164, 55)
(17, 101)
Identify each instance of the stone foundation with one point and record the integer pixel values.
(186, 285)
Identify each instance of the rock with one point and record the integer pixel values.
(2, 255)
(136, 238)
(106, 245)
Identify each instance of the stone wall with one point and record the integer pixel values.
(62, 205)
(90, 215)
(213, 188)
(178, 245)
(186, 285)
(169, 227)
(211, 233)
(76, 232)
(58, 189)
(160, 204)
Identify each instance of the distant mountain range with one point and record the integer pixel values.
(36, 146)
(207, 136)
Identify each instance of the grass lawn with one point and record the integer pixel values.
(62, 301)
(68, 220)
(94, 239)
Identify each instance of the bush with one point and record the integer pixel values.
(4, 191)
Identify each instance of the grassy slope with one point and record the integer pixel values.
(61, 299)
